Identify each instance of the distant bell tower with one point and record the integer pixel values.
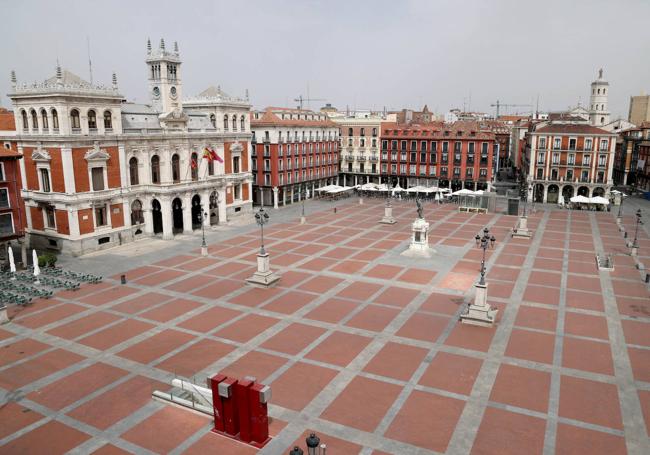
(164, 74)
(598, 110)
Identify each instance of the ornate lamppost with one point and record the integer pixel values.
(635, 244)
(304, 195)
(619, 216)
(202, 217)
(263, 276)
(480, 312)
(484, 242)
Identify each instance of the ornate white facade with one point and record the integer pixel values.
(99, 171)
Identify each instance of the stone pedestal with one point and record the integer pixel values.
(388, 216)
(419, 246)
(3, 313)
(480, 312)
(263, 277)
(522, 228)
(303, 219)
(204, 251)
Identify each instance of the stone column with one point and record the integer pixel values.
(545, 194)
(292, 194)
(284, 195)
(275, 197)
(187, 213)
(205, 201)
(148, 219)
(167, 220)
(223, 213)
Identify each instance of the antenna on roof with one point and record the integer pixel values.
(90, 63)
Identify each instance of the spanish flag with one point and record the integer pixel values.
(213, 154)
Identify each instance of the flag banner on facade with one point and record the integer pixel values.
(214, 155)
(194, 164)
(207, 155)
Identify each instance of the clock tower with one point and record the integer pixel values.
(164, 71)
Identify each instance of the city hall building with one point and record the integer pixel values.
(98, 171)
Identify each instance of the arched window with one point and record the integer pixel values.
(225, 123)
(44, 121)
(133, 171)
(108, 120)
(23, 116)
(155, 169)
(242, 123)
(234, 123)
(602, 120)
(75, 122)
(55, 120)
(194, 165)
(604, 91)
(176, 169)
(213, 120)
(34, 120)
(92, 120)
(599, 91)
(137, 217)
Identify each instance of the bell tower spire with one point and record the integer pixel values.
(598, 109)
(165, 86)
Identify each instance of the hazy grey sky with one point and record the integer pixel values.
(365, 54)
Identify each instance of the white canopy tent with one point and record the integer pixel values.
(598, 200)
(579, 199)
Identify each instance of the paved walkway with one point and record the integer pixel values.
(359, 344)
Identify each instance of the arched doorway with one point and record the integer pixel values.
(583, 191)
(196, 212)
(156, 214)
(539, 193)
(456, 185)
(567, 193)
(177, 215)
(553, 193)
(214, 208)
(599, 191)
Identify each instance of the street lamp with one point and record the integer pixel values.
(312, 444)
(203, 216)
(620, 209)
(261, 217)
(484, 242)
(635, 245)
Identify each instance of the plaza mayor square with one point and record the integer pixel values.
(325, 228)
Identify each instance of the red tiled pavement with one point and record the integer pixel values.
(522, 387)
(536, 318)
(423, 326)
(121, 401)
(51, 438)
(206, 321)
(161, 343)
(467, 337)
(19, 350)
(397, 296)
(587, 356)
(373, 317)
(527, 345)
(115, 334)
(49, 316)
(637, 332)
(290, 302)
(297, 386)
(246, 328)
(212, 443)
(452, 372)
(256, 364)
(75, 386)
(44, 365)
(503, 432)
(165, 429)
(339, 348)
(141, 303)
(293, 338)
(195, 358)
(573, 440)
(359, 290)
(81, 326)
(377, 397)
(412, 424)
(171, 310)
(397, 361)
(640, 360)
(332, 310)
(15, 417)
(577, 402)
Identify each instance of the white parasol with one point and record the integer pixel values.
(12, 265)
(37, 269)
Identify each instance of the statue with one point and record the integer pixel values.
(419, 204)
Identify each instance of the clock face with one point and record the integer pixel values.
(156, 92)
(172, 92)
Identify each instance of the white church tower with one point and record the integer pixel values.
(165, 87)
(598, 110)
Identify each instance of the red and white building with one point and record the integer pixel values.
(12, 208)
(294, 151)
(450, 155)
(98, 171)
(568, 159)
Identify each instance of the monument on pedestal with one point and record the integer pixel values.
(263, 276)
(419, 246)
(480, 312)
(521, 230)
(388, 213)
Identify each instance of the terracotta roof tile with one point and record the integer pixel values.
(570, 128)
(7, 121)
